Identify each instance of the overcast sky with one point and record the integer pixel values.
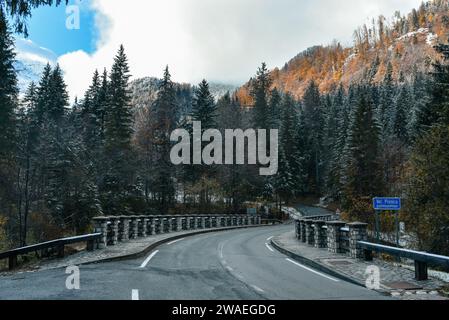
(220, 40)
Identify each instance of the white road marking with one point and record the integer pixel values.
(230, 269)
(145, 263)
(268, 247)
(269, 239)
(311, 270)
(173, 242)
(135, 295)
(258, 289)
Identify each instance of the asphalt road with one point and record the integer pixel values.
(229, 265)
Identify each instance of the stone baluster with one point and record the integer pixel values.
(134, 234)
(114, 231)
(357, 232)
(298, 229)
(320, 234)
(157, 224)
(142, 232)
(310, 237)
(123, 229)
(302, 223)
(334, 236)
(101, 226)
(150, 226)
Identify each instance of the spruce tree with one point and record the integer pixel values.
(204, 108)
(363, 173)
(118, 181)
(165, 110)
(314, 122)
(260, 93)
(8, 90)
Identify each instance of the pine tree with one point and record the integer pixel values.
(118, 127)
(385, 112)
(165, 110)
(400, 123)
(260, 93)
(275, 108)
(436, 111)
(291, 175)
(21, 10)
(427, 191)
(8, 90)
(117, 186)
(314, 122)
(364, 174)
(204, 108)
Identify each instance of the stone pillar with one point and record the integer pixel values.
(207, 222)
(150, 226)
(114, 232)
(245, 220)
(179, 223)
(134, 227)
(141, 227)
(334, 236)
(203, 222)
(124, 228)
(310, 237)
(101, 226)
(228, 221)
(298, 229)
(195, 222)
(320, 234)
(357, 232)
(302, 225)
(157, 225)
(184, 225)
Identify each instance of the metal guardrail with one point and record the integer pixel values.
(58, 244)
(422, 259)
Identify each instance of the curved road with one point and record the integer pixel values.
(231, 265)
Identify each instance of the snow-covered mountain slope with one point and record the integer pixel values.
(31, 61)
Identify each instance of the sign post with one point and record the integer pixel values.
(387, 204)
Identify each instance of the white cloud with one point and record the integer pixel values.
(220, 40)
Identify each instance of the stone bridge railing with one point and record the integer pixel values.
(336, 236)
(123, 228)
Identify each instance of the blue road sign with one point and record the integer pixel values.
(387, 204)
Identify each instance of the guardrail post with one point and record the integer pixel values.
(320, 234)
(357, 232)
(334, 236)
(310, 237)
(101, 226)
(421, 271)
(12, 262)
